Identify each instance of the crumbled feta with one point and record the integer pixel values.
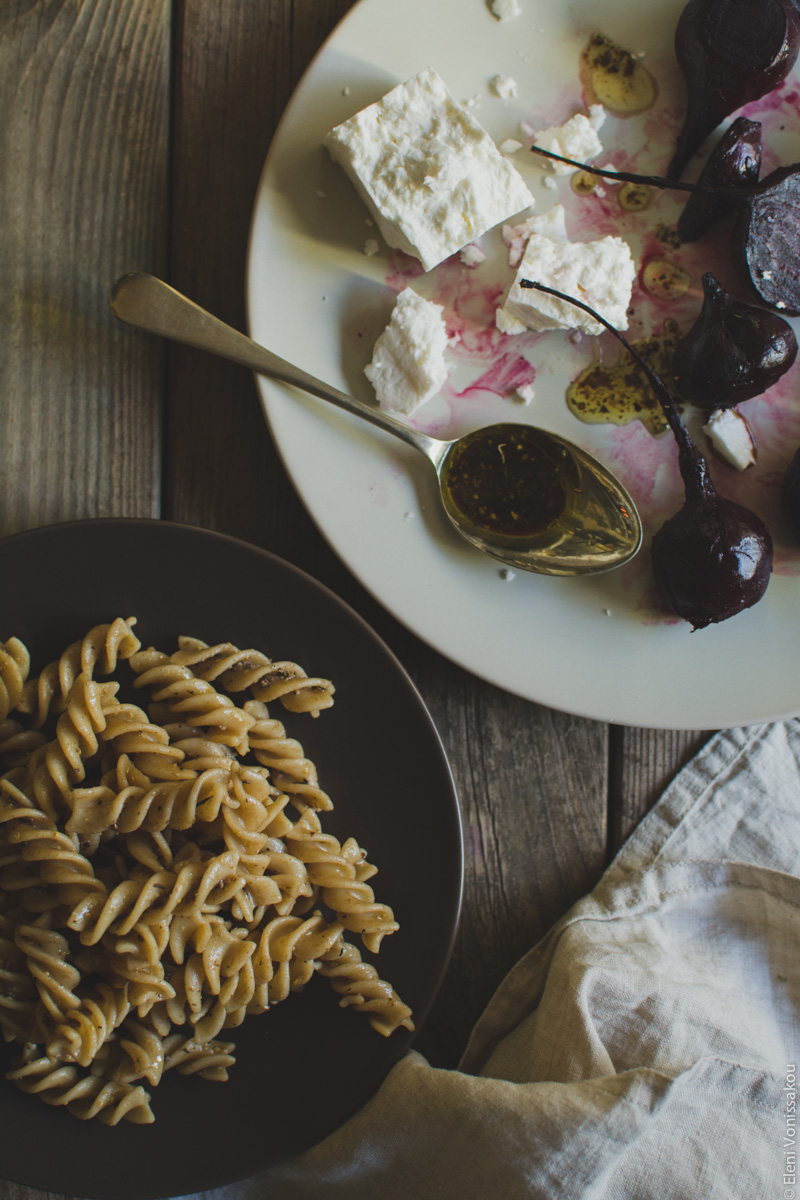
(504, 86)
(526, 392)
(371, 247)
(552, 224)
(731, 437)
(600, 273)
(510, 146)
(472, 255)
(576, 139)
(431, 175)
(408, 364)
(504, 10)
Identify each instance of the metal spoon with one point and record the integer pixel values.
(544, 504)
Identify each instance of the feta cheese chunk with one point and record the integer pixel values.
(576, 139)
(504, 10)
(504, 86)
(408, 364)
(430, 174)
(600, 273)
(731, 437)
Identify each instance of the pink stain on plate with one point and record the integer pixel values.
(504, 376)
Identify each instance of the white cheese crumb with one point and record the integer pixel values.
(731, 437)
(510, 146)
(552, 224)
(408, 364)
(472, 255)
(526, 392)
(371, 246)
(601, 273)
(504, 10)
(504, 86)
(576, 139)
(432, 177)
(506, 574)
(549, 181)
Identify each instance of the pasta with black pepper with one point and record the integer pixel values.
(164, 873)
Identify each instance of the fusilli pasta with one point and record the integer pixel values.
(164, 873)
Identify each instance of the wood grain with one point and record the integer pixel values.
(84, 92)
(642, 763)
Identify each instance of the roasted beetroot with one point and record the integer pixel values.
(790, 494)
(713, 558)
(732, 352)
(730, 52)
(734, 162)
(766, 239)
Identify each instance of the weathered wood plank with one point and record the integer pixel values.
(236, 66)
(642, 763)
(84, 94)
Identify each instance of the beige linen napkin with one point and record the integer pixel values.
(646, 1048)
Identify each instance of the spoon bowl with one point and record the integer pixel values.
(522, 495)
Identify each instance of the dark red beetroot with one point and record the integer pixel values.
(790, 494)
(730, 52)
(732, 352)
(734, 162)
(766, 239)
(713, 558)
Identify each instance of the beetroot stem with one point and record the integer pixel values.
(656, 181)
(693, 466)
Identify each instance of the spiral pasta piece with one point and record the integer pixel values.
(84, 1095)
(88, 1025)
(17, 988)
(285, 758)
(15, 663)
(187, 695)
(17, 743)
(46, 953)
(359, 984)
(54, 769)
(240, 670)
(210, 1060)
(191, 887)
(51, 852)
(100, 650)
(339, 874)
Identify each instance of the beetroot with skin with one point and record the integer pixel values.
(730, 52)
(734, 162)
(790, 495)
(732, 352)
(713, 559)
(766, 240)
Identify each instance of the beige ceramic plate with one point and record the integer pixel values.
(599, 647)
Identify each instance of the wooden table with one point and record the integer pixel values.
(134, 133)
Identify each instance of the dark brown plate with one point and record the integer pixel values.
(305, 1067)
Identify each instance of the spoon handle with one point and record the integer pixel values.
(150, 304)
